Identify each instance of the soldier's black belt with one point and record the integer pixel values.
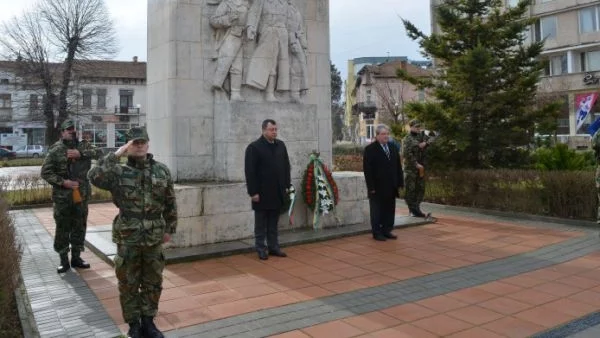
(139, 215)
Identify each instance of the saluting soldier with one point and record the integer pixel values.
(142, 189)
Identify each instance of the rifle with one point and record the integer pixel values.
(427, 137)
(76, 192)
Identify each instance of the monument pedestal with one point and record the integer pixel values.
(212, 212)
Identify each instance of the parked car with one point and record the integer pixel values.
(34, 150)
(6, 154)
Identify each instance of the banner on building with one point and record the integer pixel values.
(594, 127)
(584, 104)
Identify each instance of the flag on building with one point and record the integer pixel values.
(584, 104)
(594, 127)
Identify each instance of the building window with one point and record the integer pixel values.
(101, 98)
(590, 61)
(5, 101)
(87, 98)
(546, 28)
(3, 81)
(588, 19)
(95, 133)
(126, 100)
(33, 102)
(421, 94)
(370, 129)
(557, 65)
(512, 3)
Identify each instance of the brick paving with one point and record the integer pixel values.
(473, 276)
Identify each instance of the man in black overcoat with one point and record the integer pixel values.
(267, 168)
(383, 175)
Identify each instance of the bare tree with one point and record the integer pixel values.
(391, 95)
(63, 31)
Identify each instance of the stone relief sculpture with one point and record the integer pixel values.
(230, 22)
(298, 47)
(269, 67)
(279, 60)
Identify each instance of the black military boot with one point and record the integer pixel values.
(64, 264)
(135, 330)
(78, 262)
(149, 330)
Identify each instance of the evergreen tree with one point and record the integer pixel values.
(485, 84)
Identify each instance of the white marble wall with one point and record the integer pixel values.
(192, 129)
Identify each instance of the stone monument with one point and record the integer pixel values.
(216, 70)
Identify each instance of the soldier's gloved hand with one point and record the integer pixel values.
(69, 184)
(123, 149)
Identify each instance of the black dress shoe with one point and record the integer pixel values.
(277, 253)
(390, 235)
(379, 238)
(263, 255)
(77, 262)
(64, 264)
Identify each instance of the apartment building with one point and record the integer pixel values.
(380, 96)
(105, 99)
(383, 71)
(572, 32)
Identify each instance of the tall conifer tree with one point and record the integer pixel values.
(485, 85)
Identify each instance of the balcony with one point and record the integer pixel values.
(570, 82)
(368, 108)
(127, 110)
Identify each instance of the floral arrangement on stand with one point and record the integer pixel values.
(319, 189)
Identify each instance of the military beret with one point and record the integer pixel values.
(414, 123)
(137, 133)
(68, 123)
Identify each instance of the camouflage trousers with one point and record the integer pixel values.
(598, 192)
(71, 224)
(414, 190)
(139, 271)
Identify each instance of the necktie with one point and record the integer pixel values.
(387, 151)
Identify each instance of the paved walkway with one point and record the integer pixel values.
(469, 275)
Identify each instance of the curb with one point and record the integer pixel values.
(28, 324)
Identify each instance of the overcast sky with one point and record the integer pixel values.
(358, 27)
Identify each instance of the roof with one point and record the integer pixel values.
(389, 69)
(97, 68)
(110, 69)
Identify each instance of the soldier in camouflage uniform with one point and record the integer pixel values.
(143, 191)
(65, 169)
(596, 147)
(413, 152)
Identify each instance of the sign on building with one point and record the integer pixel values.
(13, 140)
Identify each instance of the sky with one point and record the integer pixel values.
(357, 27)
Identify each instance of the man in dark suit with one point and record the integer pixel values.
(267, 168)
(383, 175)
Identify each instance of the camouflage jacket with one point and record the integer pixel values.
(411, 153)
(57, 168)
(143, 191)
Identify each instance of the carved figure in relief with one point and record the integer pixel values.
(269, 66)
(298, 47)
(230, 21)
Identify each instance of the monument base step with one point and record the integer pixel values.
(99, 241)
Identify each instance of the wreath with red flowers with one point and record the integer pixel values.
(319, 186)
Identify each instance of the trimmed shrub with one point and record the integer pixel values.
(560, 157)
(10, 256)
(566, 194)
(347, 149)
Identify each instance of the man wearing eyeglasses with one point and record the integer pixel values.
(142, 189)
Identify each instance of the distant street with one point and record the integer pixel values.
(20, 171)
(29, 178)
